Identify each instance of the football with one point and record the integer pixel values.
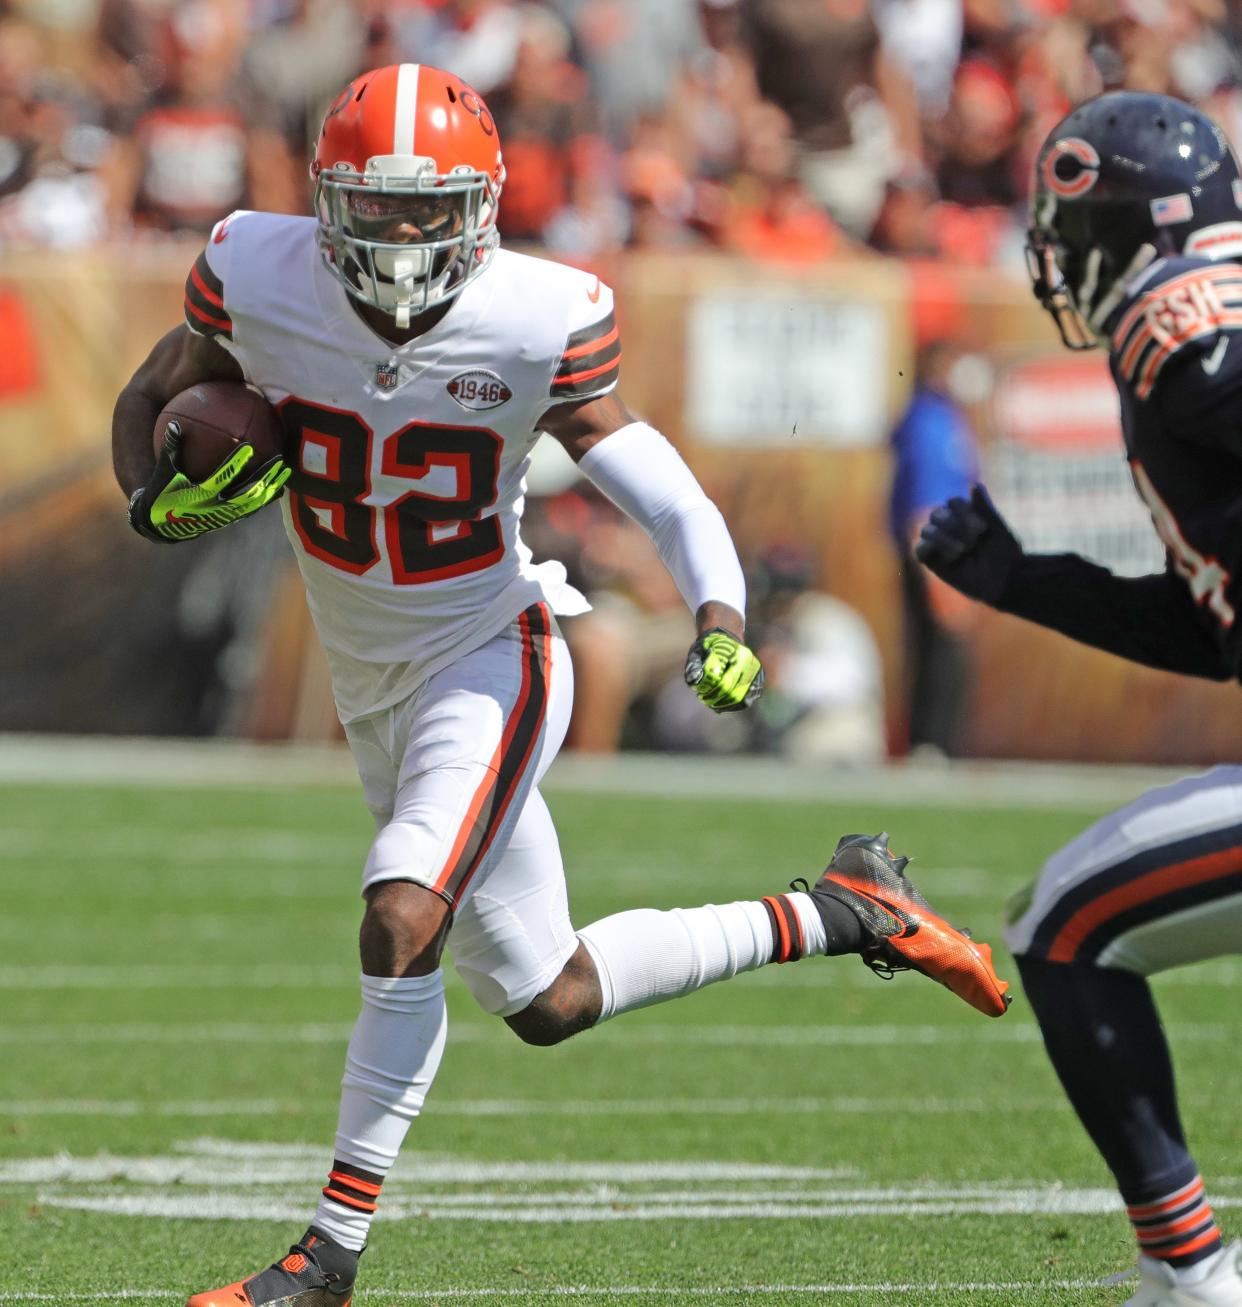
(215, 417)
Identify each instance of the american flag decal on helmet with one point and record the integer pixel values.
(591, 362)
(1169, 209)
(1199, 303)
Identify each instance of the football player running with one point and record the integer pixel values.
(414, 365)
(1136, 226)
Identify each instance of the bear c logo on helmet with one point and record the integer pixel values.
(1071, 167)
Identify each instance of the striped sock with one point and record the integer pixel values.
(788, 944)
(1178, 1228)
(354, 1187)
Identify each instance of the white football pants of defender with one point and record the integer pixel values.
(1154, 885)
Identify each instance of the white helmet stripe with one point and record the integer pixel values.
(407, 100)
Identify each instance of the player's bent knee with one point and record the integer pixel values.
(571, 1003)
(403, 930)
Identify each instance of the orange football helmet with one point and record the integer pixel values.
(408, 175)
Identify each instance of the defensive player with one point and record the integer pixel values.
(1136, 223)
(414, 365)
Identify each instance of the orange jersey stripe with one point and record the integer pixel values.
(223, 323)
(590, 347)
(1228, 318)
(1181, 875)
(205, 290)
(589, 373)
(1215, 276)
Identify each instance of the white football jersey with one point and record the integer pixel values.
(409, 462)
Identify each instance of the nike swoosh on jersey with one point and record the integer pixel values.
(1211, 364)
(593, 293)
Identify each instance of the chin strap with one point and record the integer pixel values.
(1144, 255)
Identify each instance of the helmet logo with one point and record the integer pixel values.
(1070, 168)
(472, 104)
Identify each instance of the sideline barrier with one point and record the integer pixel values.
(778, 385)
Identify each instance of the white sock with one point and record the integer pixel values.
(646, 957)
(393, 1057)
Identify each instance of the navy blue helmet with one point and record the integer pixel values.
(1124, 179)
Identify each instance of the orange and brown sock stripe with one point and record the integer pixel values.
(1179, 1228)
(353, 1187)
(787, 942)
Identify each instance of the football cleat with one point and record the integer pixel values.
(315, 1272)
(903, 932)
(1161, 1285)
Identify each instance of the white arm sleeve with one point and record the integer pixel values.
(647, 479)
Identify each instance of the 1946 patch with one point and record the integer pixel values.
(479, 389)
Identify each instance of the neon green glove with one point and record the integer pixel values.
(171, 508)
(723, 672)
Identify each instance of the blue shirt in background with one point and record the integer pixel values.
(934, 458)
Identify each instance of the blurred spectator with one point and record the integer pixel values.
(824, 699)
(295, 62)
(934, 459)
(194, 154)
(770, 215)
(51, 141)
(477, 39)
(978, 139)
(716, 94)
(663, 200)
(854, 113)
(633, 51)
(923, 38)
(559, 186)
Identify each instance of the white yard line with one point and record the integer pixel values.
(818, 974)
(666, 1293)
(522, 1108)
(53, 760)
(635, 1035)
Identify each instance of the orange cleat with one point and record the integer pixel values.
(904, 931)
(315, 1272)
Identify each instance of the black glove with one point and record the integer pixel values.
(968, 544)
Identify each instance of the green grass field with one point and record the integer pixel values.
(179, 978)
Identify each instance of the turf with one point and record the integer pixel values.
(179, 975)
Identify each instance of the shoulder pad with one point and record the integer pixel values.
(591, 359)
(1183, 308)
(204, 299)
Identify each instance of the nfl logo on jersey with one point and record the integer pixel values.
(386, 376)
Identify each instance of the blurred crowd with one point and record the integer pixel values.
(786, 130)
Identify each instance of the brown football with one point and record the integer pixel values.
(215, 417)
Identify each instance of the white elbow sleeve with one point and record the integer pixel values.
(647, 479)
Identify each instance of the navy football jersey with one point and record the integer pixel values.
(1176, 356)
(1175, 350)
